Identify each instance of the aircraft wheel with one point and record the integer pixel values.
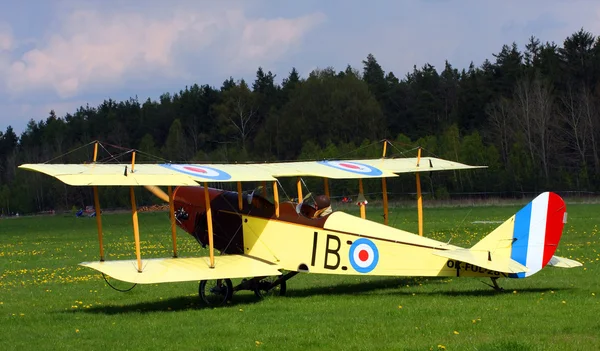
(260, 288)
(215, 292)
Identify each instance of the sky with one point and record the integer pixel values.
(59, 55)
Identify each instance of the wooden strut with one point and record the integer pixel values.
(136, 229)
(363, 210)
(326, 186)
(209, 225)
(98, 222)
(276, 198)
(134, 218)
(239, 191)
(299, 188)
(172, 217)
(419, 195)
(384, 190)
(98, 211)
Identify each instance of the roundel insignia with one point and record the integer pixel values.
(363, 255)
(354, 167)
(199, 171)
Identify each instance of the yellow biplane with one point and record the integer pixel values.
(259, 239)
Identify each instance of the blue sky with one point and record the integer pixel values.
(63, 54)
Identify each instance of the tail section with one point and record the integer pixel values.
(530, 237)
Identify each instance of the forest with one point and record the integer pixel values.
(532, 115)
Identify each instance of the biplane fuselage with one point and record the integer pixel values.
(334, 244)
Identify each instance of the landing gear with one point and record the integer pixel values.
(216, 292)
(494, 284)
(269, 287)
(220, 291)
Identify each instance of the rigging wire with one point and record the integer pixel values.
(102, 146)
(70, 152)
(117, 289)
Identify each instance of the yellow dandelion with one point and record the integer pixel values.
(456, 333)
(399, 306)
(563, 301)
(441, 347)
(76, 330)
(241, 310)
(514, 291)
(257, 342)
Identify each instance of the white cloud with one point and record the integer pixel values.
(265, 39)
(6, 39)
(91, 49)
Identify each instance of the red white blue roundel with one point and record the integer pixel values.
(199, 171)
(354, 167)
(363, 255)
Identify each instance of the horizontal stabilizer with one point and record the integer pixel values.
(562, 262)
(484, 260)
(170, 270)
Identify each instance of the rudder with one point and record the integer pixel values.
(531, 236)
(537, 231)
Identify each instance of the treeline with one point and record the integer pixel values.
(531, 115)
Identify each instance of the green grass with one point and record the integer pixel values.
(47, 301)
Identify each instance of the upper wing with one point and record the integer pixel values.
(189, 174)
(148, 174)
(170, 270)
(334, 169)
(409, 165)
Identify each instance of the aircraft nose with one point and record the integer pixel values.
(189, 203)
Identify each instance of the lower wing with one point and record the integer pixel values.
(170, 270)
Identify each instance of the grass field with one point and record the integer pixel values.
(47, 301)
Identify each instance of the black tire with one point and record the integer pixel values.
(218, 294)
(260, 288)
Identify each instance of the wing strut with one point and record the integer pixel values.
(276, 198)
(299, 187)
(172, 217)
(136, 229)
(134, 217)
(363, 212)
(384, 189)
(209, 225)
(419, 197)
(240, 202)
(98, 211)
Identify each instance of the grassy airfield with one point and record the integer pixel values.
(47, 301)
